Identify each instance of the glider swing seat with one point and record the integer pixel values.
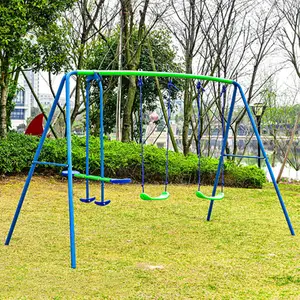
(77, 174)
(96, 75)
(199, 194)
(165, 194)
(98, 79)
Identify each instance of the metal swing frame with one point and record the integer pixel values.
(66, 82)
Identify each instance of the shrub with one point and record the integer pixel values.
(121, 160)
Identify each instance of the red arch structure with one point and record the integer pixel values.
(35, 127)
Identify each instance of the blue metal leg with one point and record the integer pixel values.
(70, 177)
(87, 198)
(266, 159)
(221, 160)
(36, 157)
(103, 202)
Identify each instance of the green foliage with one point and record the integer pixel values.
(281, 117)
(16, 153)
(280, 121)
(30, 37)
(122, 160)
(240, 176)
(102, 55)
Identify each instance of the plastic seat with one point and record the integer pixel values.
(220, 196)
(162, 196)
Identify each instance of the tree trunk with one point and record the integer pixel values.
(3, 130)
(186, 118)
(133, 57)
(128, 109)
(77, 88)
(3, 96)
(274, 156)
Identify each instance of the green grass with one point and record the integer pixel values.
(134, 249)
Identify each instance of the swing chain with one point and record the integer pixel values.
(223, 133)
(140, 85)
(199, 90)
(223, 91)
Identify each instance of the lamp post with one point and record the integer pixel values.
(258, 111)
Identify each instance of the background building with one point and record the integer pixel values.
(26, 106)
(24, 100)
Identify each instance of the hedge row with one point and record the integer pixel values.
(121, 160)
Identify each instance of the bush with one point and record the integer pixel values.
(121, 160)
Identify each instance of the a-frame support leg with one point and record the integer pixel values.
(70, 171)
(286, 215)
(33, 164)
(221, 160)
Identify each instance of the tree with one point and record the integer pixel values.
(290, 31)
(86, 24)
(133, 52)
(281, 120)
(290, 43)
(207, 33)
(29, 38)
(186, 30)
(103, 55)
(273, 117)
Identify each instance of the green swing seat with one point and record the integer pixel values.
(220, 196)
(199, 194)
(162, 196)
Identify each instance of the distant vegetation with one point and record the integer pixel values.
(121, 160)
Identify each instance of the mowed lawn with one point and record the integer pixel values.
(133, 249)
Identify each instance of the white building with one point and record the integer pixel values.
(45, 99)
(25, 104)
(24, 99)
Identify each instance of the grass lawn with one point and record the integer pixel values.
(133, 249)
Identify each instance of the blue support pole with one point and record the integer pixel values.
(33, 164)
(49, 163)
(87, 198)
(70, 176)
(244, 156)
(266, 158)
(103, 202)
(87, 133)
(221, 159)
(101, 141)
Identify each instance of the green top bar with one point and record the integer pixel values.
(153, 74)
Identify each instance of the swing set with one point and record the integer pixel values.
(96, 75)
